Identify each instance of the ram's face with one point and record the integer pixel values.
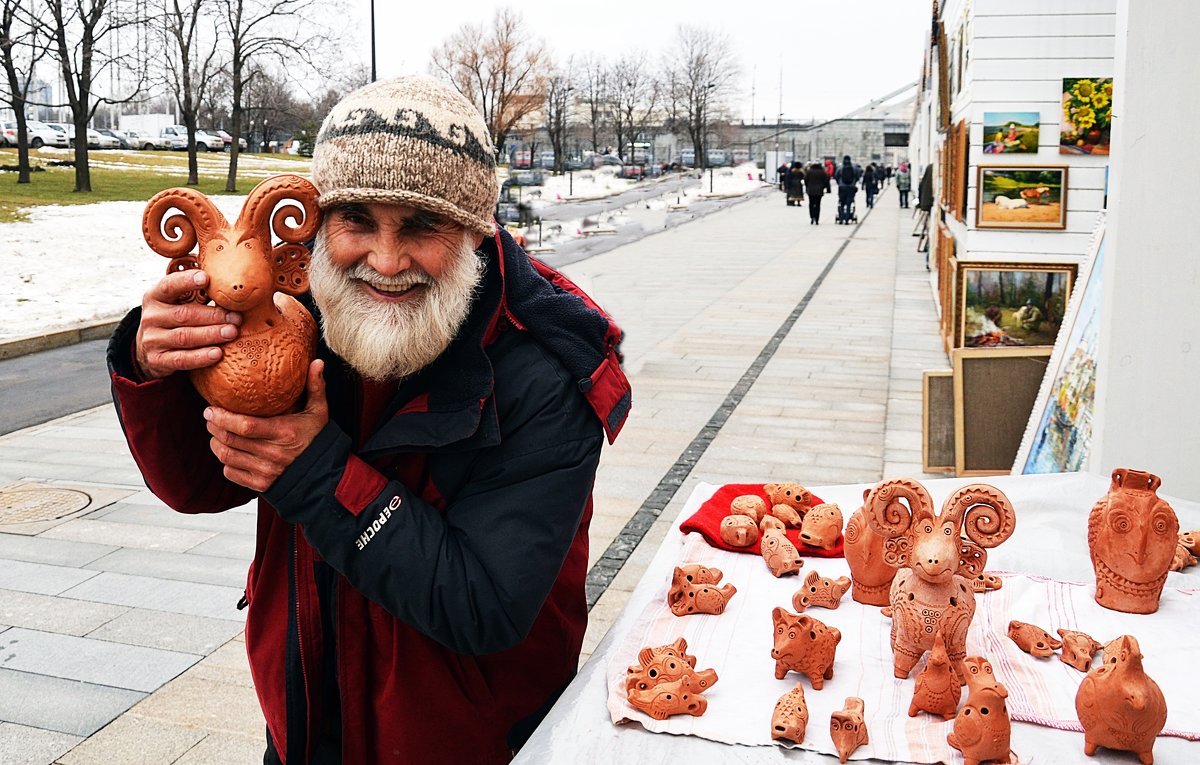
(240, 275)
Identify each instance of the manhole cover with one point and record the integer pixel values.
(38, 503)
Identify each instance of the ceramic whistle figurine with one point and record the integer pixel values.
(788, 515)
(847, 728)
(690, 596)
(1119, 705)
(779, 552)
(793, 495)
(1132, 536)
(264, 371)
(822, 526)
(932, 588)
(739, 531)
(1190, 540)
(1183, 558)
(820, 591)
(804, 645)
(665, 682)
(750, 505)
(1078, 648)
(937, 691)
(870, 574)
(982, 729)
(790, 717)
(1032, 639)
(986, 583)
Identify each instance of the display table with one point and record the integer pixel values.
(1049, 546)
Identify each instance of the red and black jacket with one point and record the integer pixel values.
(422, 580)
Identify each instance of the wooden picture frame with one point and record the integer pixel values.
(994, 393)
(1034, 197)
(937, 421)
(1045, 286)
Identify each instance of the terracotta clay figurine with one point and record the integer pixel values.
(847, 728)
(665, 682)
(1119, 705)
(789, 515)
(770, 522)
(750, 505)
(986, 583)
(978, 673)
(1132, 536)
(871, 576)
(700, 574)
(804, 645)
(1183, 558)
(790, 717)
(1190, 540)
(688, 596)
(792, 494)
(779, 552)
(264, 371)
(1032, 639)
(937, 691)
(930, 589)
(1078, 648)
(982, 729)
(820, 591)
(822, 526)
(739, 531)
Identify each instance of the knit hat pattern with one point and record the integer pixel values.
(412, 141)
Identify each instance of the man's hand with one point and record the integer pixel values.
(176, 336)
(256, 450)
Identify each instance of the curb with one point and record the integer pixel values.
(22, 346)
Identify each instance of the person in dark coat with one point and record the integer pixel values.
(847, 181)
(781, 174)
(816, 182)
(795, 184)
(925, 190)
(870, 181)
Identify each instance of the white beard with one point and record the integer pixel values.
(392, 341)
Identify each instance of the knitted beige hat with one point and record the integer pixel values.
(413, 141)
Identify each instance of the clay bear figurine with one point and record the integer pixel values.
(1078, 648)
(804, 645)
(690, 596)
(1119, 705)
(982, 728)
(779, 552)
(750, 505)
(1032, 639)
(822, 526)
(790, 717)
(936, 691)
(847, 728)
(820, 591)
(739, 531)
(665, 682)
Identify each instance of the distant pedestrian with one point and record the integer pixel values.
(795, 184)
(816, 183)
(781, 174)
(903, 184)
(847, 181)
(870, 181)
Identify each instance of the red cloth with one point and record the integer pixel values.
(707, 521)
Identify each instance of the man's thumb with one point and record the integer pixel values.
(316, 387)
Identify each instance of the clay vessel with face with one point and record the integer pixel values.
(1032, 639)
(780, 554)
(1119, 705)
(937, 690)
(750, 505)
(805, 645)
(822, 526)
(847, 728)
(820, 591)
(739, 531)
(870, 573)
(1078, 648)
(1132, 536)
(790, 717)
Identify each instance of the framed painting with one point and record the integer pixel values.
(1011, 132)
(994, 392)
(1021, 196)
(1059, 433)
(1010, 304)
(1086, 115)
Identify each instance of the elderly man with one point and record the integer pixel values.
(417, 588)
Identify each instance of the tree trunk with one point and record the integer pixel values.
(189, 122)
(231, 178)
(83, 175)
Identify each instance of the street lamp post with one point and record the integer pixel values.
(372, 40)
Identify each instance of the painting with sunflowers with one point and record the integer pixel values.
(1087, 115)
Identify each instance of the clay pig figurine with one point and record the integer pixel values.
(804, 645)
(982, 729)
(689, 596)
(1132, 536)
(822, 526)
(847, 728)
(790, 717)
(820, 591)
(749, 505)
(665, 682)
(870, 574)
(937, 691)
(1078, 648)
(739, 531)
(1032, 639)
(779, 552)
(1119, 705)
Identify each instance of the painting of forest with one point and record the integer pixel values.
(1012, 306)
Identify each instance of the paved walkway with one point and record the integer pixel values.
(119, 641)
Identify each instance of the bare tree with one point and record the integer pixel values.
(559, 89)
(503, 71)
(703, 73)
(21, 47)
(596, 96)
(189, 72)
(79, 30)
(636, 94)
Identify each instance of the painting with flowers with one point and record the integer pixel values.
(1087, 115)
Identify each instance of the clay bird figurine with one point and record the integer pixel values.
(936, 691)
(1119, 705)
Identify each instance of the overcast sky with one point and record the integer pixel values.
(834, 55)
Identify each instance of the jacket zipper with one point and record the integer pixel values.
(300, 637)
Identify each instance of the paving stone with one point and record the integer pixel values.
(40, 578)
(186, 567)
(64, 706)
(23, 745)
(161, 595)
(129, 535)
(224, 749)
(91, 661)
(56, 552)
(237, 546)
(132, 740)
(149, 515)
(52, 614)
(205, 704)
(198, 635)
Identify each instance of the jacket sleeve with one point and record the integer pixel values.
(164, 426)
(474, 576)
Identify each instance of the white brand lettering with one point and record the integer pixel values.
(365, 538)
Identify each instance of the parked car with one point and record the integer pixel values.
(227, 140)
(527, 178)
(8, 134)
(145, 141)
(39, 134)
(106, 139)
(575, 163)
(94, 140)
(600, 160)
